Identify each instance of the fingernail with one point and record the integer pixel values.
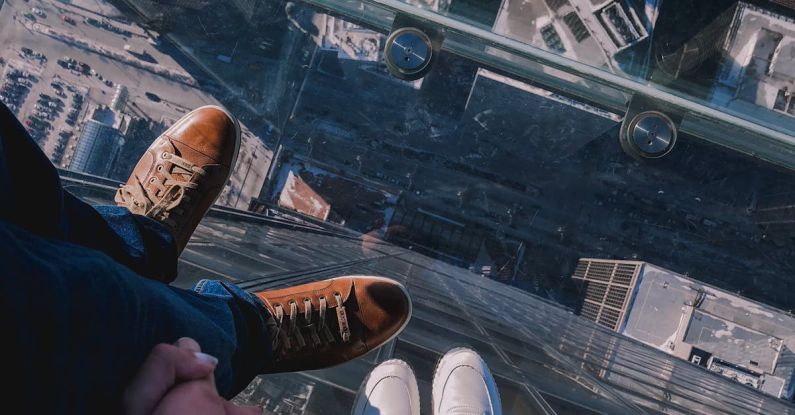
(205, 358)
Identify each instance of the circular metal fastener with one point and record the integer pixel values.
(650, 134)
(408, 52)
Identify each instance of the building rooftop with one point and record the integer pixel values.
(685, 317)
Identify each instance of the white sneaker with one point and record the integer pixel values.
(389, 389)
(463, 385)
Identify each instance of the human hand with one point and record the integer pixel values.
(178, 379)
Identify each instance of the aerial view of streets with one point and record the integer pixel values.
(507, 179)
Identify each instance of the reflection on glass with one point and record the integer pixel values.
(485, 185)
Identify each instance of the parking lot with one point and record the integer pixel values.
(88, 49)
(50, 107)
(50, 85)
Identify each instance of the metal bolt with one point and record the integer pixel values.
(408, 51)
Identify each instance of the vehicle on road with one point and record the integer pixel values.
(69, 20)
(153, 97)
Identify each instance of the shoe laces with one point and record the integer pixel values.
(292, 328)
(162, 202)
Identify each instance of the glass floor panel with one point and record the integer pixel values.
(529, 138)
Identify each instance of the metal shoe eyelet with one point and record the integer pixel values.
(291, 302)
(152, 180)
(160, 167)
(165, 155)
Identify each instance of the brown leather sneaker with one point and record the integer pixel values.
(329, 322)
(184, 170)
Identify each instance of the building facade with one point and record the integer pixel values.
(97, 148)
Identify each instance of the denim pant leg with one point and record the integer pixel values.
(31, 196)
(77, 325)
(78, 319)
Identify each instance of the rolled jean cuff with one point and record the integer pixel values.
(253, 324)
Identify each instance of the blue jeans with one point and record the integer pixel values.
(83, 294)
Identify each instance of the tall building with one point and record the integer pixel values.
(724, 333)
(756, 71)
(608, 290)
(120, 96)
(590, 31)
(545, 359)
(99, 144)
(320, 191)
